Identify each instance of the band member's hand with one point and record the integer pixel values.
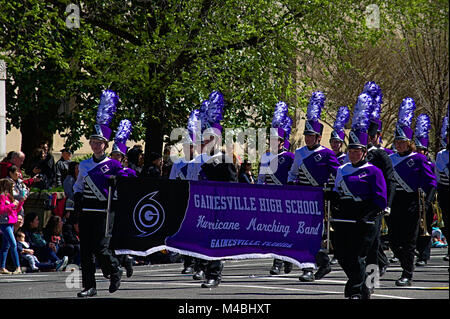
(387, 211)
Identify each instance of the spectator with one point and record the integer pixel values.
(154, 169)
(167, 163)
(20, 190)
(38, 165)
(19, 223)
(36, 240)
(28, 258)
(70, 235)
(16, 158)
(69, 181)
(245, 173)
(136, 159)
(8, 217)
(55, 240)
(62, 167)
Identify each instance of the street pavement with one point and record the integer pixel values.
(243, 280)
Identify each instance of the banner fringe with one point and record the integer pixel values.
(201, 256)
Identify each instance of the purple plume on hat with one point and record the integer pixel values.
(315, 106)
(122, 135)
(342, 117)
(281, 120)
(105, 113)
(406, 112)
(403, 129)
(194, 125)
(372, 89)
(107, 107)
(210, 112)
(444, 130)
(313, 112)
(361, 113)
(423, 125)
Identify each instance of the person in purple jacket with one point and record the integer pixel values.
(313, 165)
(359, 196)
(412, 173)
(91, 199)
(274, 169)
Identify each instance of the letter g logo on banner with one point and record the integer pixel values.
(148, 215)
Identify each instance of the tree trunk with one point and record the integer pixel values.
(32, 135)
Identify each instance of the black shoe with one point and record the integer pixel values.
(187, 270)
(421, 263)
(355, 297)
(321, 272)
(393, 260)
(211, 283)
(402, 282)
(287, 268)
(91, 292)
(275, 270)
(307, 276)
(334, 261)
(129, 266)
(199, 275)
(114, 282)
(445, 258)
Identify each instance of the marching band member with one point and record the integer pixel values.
(337, 135)
(118, 153)
(281, 162)
(180, 171)
(91, 197)
(379, 157)
(313, 165)
(360, 196)
(412, 173)
(423, 124)
(441, 169)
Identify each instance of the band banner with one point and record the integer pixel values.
(216, 220)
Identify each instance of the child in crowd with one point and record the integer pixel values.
(27, 255)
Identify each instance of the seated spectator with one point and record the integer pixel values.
(54, 238)
(70, 235)
(28, 258)
(41, 248)
(18, 225)
(62, 167)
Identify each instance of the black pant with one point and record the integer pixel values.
(376, 253)
(212, 268)
(352, 245)
(404, 229)
(95, 246)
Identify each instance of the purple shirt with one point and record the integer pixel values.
(413, 171)
(313, 167)
(363, 183)
(274, 169)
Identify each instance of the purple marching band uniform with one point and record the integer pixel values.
(281, 162)
(411, 172)
(313, 166)
(379, 157)
(423, 246)
(442, 175)
(359, 195)
(91, 198)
